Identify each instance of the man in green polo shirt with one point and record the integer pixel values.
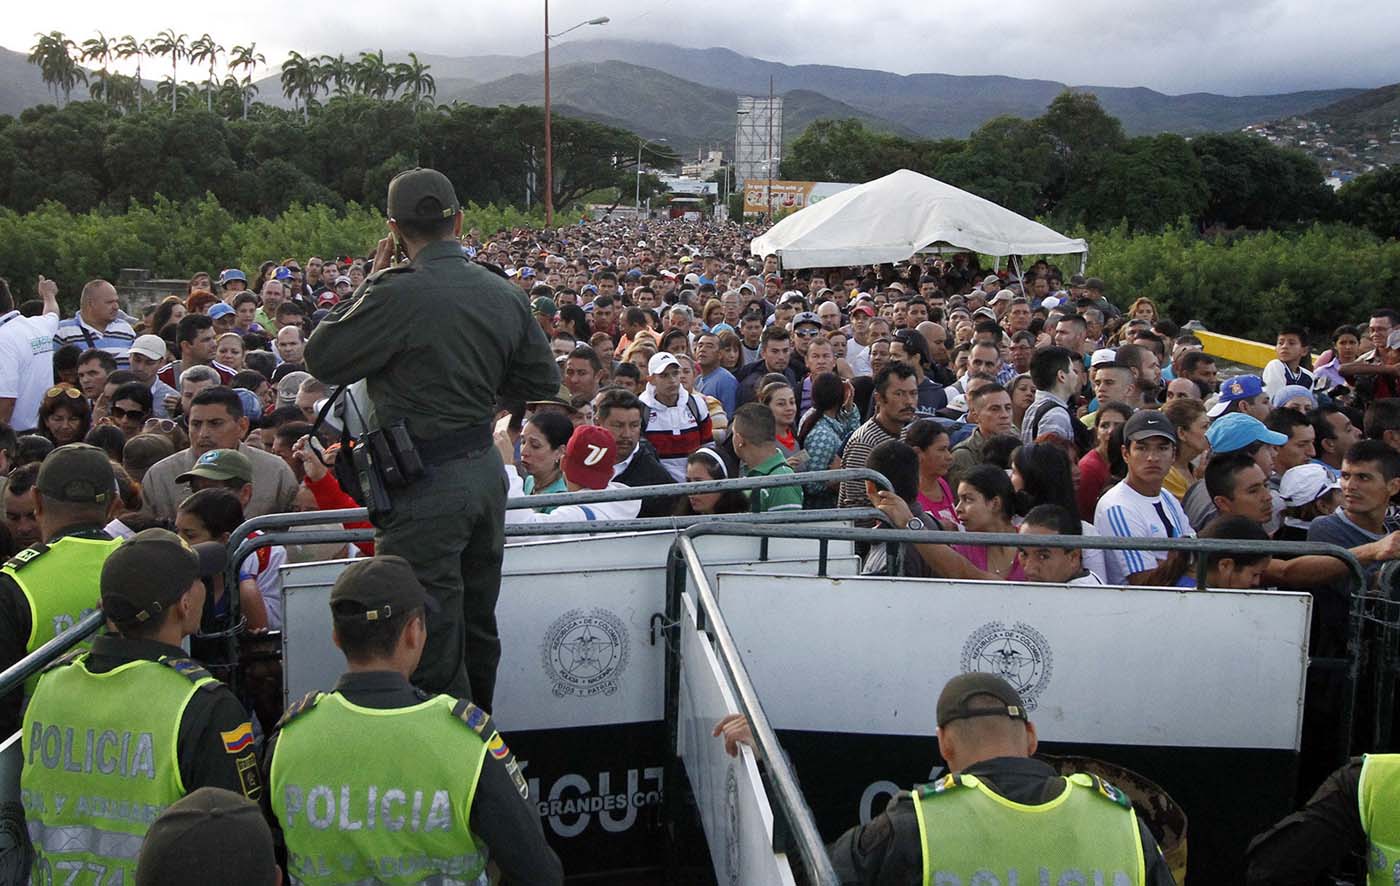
(755, 443)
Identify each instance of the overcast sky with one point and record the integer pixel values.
(1227, 46)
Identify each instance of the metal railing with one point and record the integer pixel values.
(686, 563)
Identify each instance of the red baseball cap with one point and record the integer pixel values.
(863, 309)
(588, 459)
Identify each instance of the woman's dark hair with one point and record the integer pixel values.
(163, 311)
(556, 428)
(731, 501)
(1117, 466)
(992, 482)
(77, 405)
(827, 394)
(998, 448)
(108, 438)
(576, 320)
(671, 336)
(1046, 477)
(1353, 331)
(921, 433)
(218, 509)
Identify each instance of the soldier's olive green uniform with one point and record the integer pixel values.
(438, 340)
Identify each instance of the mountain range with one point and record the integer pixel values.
(688, 95)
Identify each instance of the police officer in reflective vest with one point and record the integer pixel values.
(47, 588)
(113, 736)
(1355, 814)
(999, 815)
(379, 782)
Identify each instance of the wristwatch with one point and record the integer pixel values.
(914, 523)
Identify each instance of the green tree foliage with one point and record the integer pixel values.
(1250, 285)
(1152, 182)
(90, 155)
(1372, 201)
(175, 239)
(1073, 165)
(1254, 184)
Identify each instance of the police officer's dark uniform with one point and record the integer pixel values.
(113, 736)
(347, 746)
(1353, 820)
(47, 588)
(439, 340)
(891, 850)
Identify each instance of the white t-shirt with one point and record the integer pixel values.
(1124, 513)
(26, 364)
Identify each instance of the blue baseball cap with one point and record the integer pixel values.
(1237, 430)
(282, 274)
(230, 274)
(219, 309)
(1241, 387)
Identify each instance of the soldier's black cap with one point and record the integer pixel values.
(954, 700)
(422, 195)
(219, 834)
(153, 569)
(378, 588)
(78, 474)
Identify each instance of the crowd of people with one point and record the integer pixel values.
(1032, 403)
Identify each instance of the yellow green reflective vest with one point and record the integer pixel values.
(1087, 836)
(384, 796)
(61, 582)
(99, 767)
(1379, 794)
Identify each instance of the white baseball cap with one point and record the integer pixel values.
(1102, 356)
(152, 347)
(1305, 484)
(660, 362)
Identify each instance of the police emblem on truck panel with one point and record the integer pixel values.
(585, 652)
(1019, 654)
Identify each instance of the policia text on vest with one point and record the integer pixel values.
(397, 822)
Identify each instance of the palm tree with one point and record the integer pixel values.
(299, 81)
(337, 71)
(118, 90)
(54, 54)
(169, 43)
(129, 47)
(246, 58)
(415, 76)
(99, 49)
(372, 74)
(206, 50)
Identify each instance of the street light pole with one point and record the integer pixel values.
(548, 134)
(641, 142)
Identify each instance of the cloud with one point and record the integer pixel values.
(1232, 47)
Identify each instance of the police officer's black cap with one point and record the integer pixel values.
(77, 474)
(378, 588)
(422, 195)
(213, 837)
(955, 702)
(153, 569)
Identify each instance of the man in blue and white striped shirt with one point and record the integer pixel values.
(98, 323)
(1138, 507)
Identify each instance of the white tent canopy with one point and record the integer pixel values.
(891, 218)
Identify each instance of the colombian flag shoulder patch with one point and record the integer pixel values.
(238, 740)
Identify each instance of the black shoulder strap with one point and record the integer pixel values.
(476, 719)
(188, 668)
(299, 707)
(26, 556)
(326, 409)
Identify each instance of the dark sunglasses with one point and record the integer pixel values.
(134, 414)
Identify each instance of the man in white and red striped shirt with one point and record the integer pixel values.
(678, 422)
